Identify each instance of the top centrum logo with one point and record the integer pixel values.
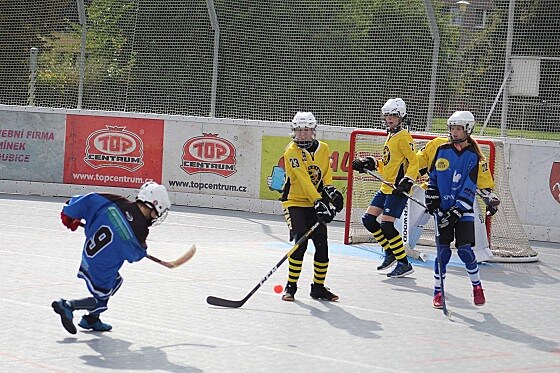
(209, 154)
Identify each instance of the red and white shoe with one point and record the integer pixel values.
(438, 301)
(478, 295)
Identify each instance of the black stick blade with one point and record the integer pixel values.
(215, 301)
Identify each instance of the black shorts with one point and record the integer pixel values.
(300, 220)
(462, 232)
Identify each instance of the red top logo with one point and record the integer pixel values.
(114, 147)
(554, 181)
(209, 153)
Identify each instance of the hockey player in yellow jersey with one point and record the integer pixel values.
(399, 166)
(308, 196)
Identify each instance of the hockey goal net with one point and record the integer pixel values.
(507, 238)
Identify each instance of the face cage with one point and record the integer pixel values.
(458, 141)
(397, 128)
(161, 217)
(303, 144)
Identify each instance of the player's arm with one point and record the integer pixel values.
(485, 184)
(485, 179)
(407, 148)
(466, 196)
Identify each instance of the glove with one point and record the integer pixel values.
(363, 164)
(333, 196)
(69, 222)
(323, 211)
(490, 198)
(450, 218)
(491, 210)
(432, 200)
(404, 186)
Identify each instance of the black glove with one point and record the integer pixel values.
(363, 164)
(333, 196)
(404, 186)
(491, 210)
(432, 201)
(489, 197)
(450, 218)
(324, 212)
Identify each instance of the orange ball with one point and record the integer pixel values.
(278, 289)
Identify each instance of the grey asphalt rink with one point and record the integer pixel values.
(162, 323)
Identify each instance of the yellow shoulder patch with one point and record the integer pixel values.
(442, 164)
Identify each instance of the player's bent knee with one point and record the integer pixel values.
(370, 222)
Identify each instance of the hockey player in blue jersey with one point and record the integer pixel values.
(451, 194)
(116, 230)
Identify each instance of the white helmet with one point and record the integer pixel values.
(462, 118)
(394, 106)
(156, 197)
(304, 119)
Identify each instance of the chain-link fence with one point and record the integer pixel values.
(265, 60)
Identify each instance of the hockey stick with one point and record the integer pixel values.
(409, 251)
(394, 188)
(446, 312)
(215, 301)
(177, 262)
(174, 263)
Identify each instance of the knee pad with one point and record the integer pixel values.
(466, 254)
(370, 222)
(389, 230)
(445, 257)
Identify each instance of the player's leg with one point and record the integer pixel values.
(296, 218)
(465, 240)
(101, 296)
(446, 236)
(321, 265)
(413, 219)
(393, 208)
(370, 222)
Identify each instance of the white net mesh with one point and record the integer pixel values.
(340, 59)
(507, 237)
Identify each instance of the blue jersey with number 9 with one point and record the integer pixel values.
(115, 230)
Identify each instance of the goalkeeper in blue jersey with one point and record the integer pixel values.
(451, 195)
(116, 230)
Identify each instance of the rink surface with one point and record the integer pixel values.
(162, 323)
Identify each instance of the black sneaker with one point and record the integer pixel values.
(63, 308)
(387, 262)
(94, 323)
(401, 270)
(319, 291)
(289, 292)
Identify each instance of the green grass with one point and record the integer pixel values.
(440, 126)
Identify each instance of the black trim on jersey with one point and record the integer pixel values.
(286, 190)
(139, 223)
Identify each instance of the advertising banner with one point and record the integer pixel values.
(112, 151)
(211, 158)
(272, 165)
(31, 146)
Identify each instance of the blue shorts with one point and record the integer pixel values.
(392, 205)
